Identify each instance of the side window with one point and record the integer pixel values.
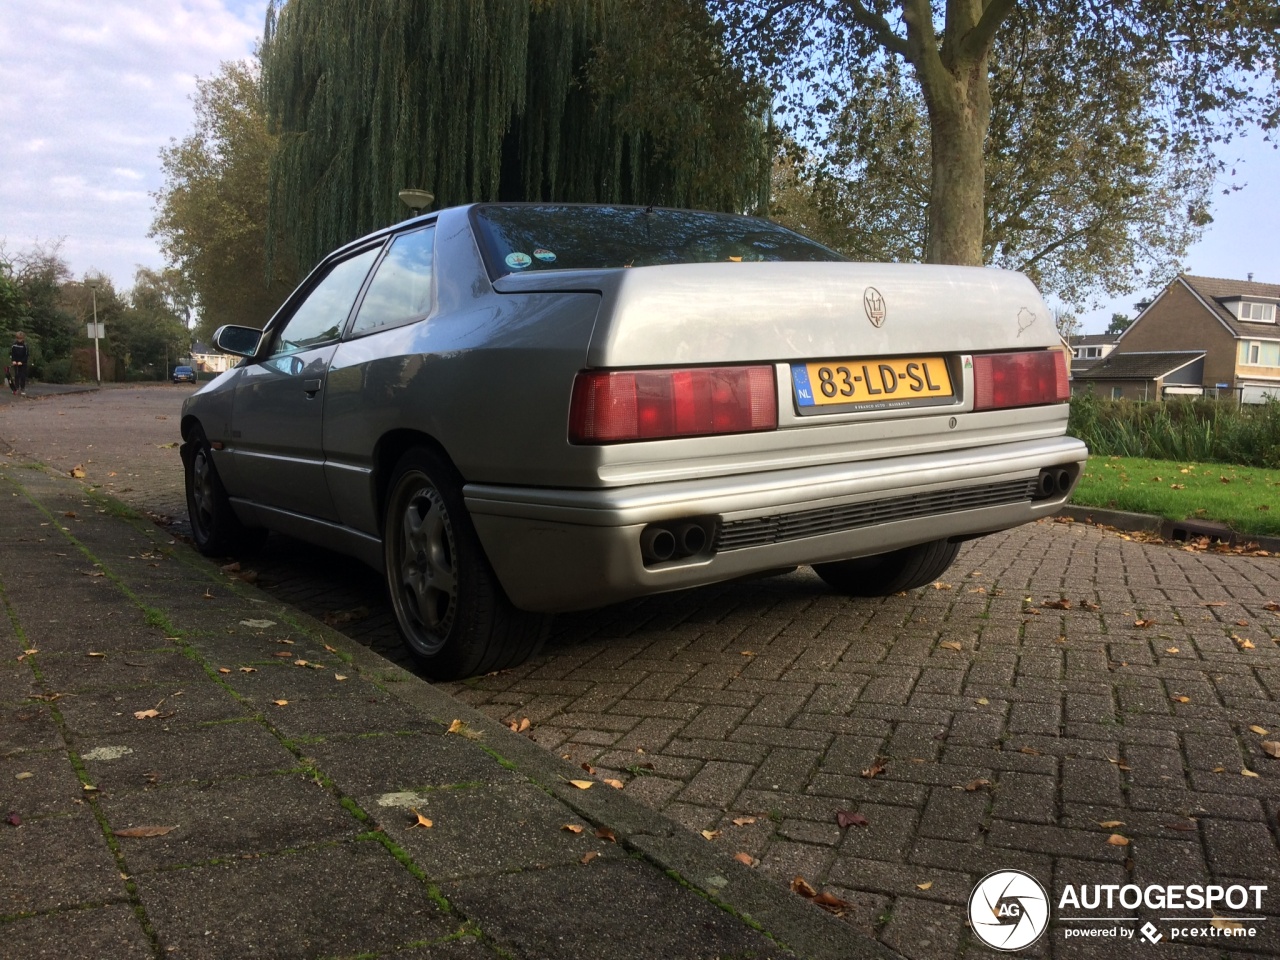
(319, 318)
(401, 289)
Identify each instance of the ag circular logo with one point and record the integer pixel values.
(1008, 910)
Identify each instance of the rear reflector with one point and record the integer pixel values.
(1003, 380)
(611, 406)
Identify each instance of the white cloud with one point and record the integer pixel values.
(92, 92)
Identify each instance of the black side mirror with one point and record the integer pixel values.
(240, 341)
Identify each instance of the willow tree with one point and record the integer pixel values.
(502, 99)
(1205, 71)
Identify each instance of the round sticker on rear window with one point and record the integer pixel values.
(546, 256)
(518, 261)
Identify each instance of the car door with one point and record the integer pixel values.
(276, 423)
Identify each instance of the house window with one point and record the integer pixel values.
(1258, 312)
(1117, 393)
(1092, 353)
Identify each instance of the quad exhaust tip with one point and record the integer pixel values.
(1054, 482)
(676, 540)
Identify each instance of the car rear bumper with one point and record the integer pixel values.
(559, 550)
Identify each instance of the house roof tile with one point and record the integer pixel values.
(1215, 290)
(1138, 366)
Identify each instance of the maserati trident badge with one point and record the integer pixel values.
(874, 302)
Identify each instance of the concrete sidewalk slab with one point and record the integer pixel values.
(189, 768)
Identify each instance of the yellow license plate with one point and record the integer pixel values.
(900, 382)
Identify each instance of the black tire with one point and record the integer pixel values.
(890, 573)
(215, 528)
(454, 616)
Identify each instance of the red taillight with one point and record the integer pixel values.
(1002, 380)
(618, 405)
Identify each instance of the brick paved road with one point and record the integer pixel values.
(1009, 731)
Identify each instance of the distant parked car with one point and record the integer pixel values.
(184, 375)
(518, 409)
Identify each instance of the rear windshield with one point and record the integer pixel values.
(524, 238)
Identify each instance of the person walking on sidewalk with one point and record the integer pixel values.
(19, 354)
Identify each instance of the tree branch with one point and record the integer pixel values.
(978, 40)
(879, 28)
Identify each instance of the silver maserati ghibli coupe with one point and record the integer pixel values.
(519, 409)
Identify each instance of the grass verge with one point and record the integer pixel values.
(1247, 499)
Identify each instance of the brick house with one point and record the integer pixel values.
(1088, 348)
(1232, 324)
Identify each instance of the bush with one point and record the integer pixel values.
(56, 371)
(1207, 430)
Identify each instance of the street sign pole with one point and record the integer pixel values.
(97, 332)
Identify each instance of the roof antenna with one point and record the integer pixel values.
(1251, 276)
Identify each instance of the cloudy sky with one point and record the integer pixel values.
(91, 90)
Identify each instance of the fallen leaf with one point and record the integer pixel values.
(604, 833)
(583, 784)
(1215, 603)
(1242, 623)
(950, 645)
(89, 788)
(589, 856)
(422, 821)
(144, 831)
(13, 819)
(746, 858)
(283, 654)
(1089, 605)
(1143, 623)
(829, 901)
(1260, 731)
(257, 624)
(743, 821)
(1179, 698)
(300, 663)
(1172, 650)
(1218, 770)
(747, 653)
(1222, 923)
(589, 768)
(248, 669)
(1272, 606)
(710, 834)
(1118, 841)
(339, 676)
(1244, 644)
(1063, 604)
(77, 471)
(1271, 748)
(522, 726)
(982, 702)
(1030, 751)
(939, 585)
(287, 641)
(1246, 772)
(847, 818)
(801, 886)
(978, 784)
(94, 653)
(1110, 824)
(616, 784)
(572, 828)
(224, 669)
(24, 775)
(281, 703)
(145, 714)
(927, 885)
(876, 768)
